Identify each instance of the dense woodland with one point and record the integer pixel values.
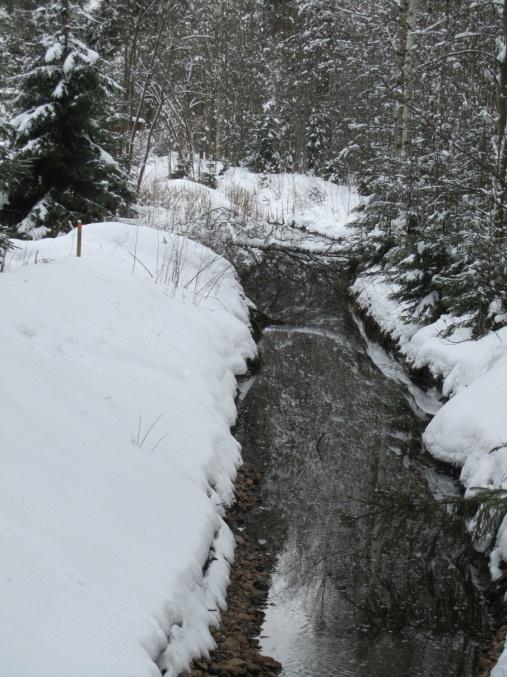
(407, 99)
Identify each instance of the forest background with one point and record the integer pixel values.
(405, 99)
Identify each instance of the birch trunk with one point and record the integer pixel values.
(400, 63)
(406, 60)
(409, 78)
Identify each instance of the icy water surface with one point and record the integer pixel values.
(364, 585)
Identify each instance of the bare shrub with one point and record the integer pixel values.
(243, 201)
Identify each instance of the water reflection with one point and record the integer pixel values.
(365, 585)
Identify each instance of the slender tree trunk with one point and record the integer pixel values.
(148, 145)
(150, 133)
(155, 55)
(501, 125)
(400, 62)
(131, 42)
(406, 59)
(409, 78)
(219, 67)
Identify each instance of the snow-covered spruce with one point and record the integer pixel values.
(60, 136)
(116, 400)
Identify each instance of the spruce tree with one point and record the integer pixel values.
(265, 153)
(317, 142)
(433, 163)
(61, 138)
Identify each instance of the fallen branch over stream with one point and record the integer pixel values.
(293, 250)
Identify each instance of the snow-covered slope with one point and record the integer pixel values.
(306, 201)
(116, 399)
(470, 430)
(280, 206)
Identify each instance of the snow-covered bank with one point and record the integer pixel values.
(116, 400)
(279, 207)
(470, 429)
(473, 373)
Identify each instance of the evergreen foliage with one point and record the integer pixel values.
(406, 99)
(265, 153)
(435, 215)
(59, 134)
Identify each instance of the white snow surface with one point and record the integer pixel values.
(280, 207)
(307, 201)
(116, 400)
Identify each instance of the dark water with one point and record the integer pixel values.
(366, 584)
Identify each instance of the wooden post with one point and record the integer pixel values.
(79, 237)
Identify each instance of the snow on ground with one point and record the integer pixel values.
(306, 201)
(470, 430)
(116, 400)
(182, 206)
(280, 207)
(159, 167)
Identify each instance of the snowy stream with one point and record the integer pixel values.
(362, 587)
